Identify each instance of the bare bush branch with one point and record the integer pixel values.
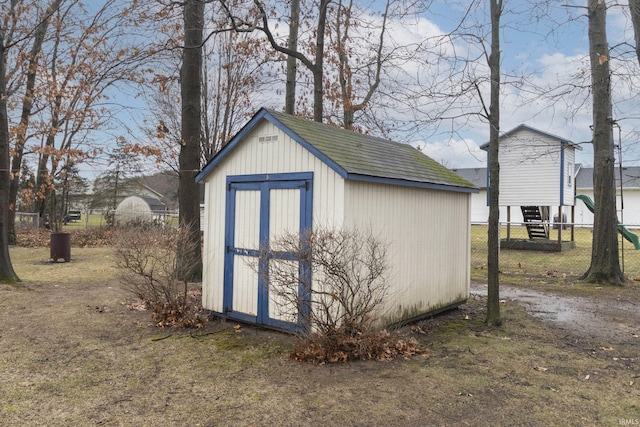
(335, 283)
(146, 255)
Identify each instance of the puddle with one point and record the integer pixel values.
(608, 320)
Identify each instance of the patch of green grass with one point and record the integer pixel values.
(90, 221)
(86, 265)
(570, 263)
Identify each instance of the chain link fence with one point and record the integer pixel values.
(93, 218)
(27, 221)
(543, 259)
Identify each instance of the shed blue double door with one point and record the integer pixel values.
(259, 208)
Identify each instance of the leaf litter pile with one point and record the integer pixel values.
(346, 347)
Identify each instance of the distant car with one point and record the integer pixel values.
(72, 216)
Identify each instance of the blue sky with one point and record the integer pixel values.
(550, 54)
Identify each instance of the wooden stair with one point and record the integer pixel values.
(536, 219)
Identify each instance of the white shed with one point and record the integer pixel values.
(282, 172)
(536, 175)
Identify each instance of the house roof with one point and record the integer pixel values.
(154, 204)
(476, 176)
(523, 127)
(354, 156)
(584, 177)
(630, 177)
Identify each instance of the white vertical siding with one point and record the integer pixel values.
(630, 216)
(428, 233)
(529, 170)
(253, 157)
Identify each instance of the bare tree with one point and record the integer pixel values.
(313, 62)
(27, 105)
(605, 264)
(88, 54)
(294, 24)
(7, 274)
(365, 75)
(191, 129)
(493, 240)
(634, 6)
(15, 30)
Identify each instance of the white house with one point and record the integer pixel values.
(283, 173)
(630, 199)
(536, 169)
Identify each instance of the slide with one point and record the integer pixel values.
(632, 237)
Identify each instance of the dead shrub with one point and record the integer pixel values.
(146, 255)
(92, 237)
(337, 292)
(344, 347)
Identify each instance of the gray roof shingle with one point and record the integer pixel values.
(356, 156)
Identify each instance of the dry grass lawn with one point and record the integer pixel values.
(76, 351)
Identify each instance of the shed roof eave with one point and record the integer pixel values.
(409, 183)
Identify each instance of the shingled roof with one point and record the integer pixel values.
(355, 156)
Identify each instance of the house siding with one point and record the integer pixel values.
(254, 157)
(529, 170)
(428, 237)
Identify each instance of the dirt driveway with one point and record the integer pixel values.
(76, 350)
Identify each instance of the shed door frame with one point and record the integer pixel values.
(264, 183)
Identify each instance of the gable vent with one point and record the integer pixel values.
(267, 139)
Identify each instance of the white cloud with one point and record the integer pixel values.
(455, 153)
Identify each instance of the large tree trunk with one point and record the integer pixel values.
(7, 274)
(290, 92)
(605, 265)
(191, 88)
(318, 69)
(493, 238)
(634, 6)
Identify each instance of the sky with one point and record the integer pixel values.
(544, 44)
(548, 55)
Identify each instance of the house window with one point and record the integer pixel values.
(569, 173)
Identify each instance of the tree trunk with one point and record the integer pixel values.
(318, 69)
(634, 6)
(605, 264)
(493, 238)
(290, 93)
(7, 274)
(191, 91)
